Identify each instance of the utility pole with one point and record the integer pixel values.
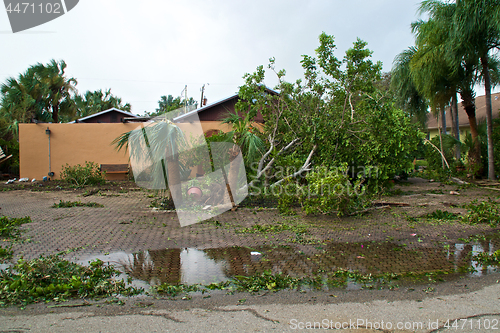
(185, 91)
(202, 92)
(185, 99)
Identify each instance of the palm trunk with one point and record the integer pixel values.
(234, 169)
(174, 179)
(455, 124)
(443, 120)
(233, 173)
(489, 118)
(470, 109)
(453, 129)
(441, 142)
(55, 113)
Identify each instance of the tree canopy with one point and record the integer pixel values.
(455, 49)
(44, 93)
(340, 115)
(169, 103)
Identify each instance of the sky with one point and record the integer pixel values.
(145, 49)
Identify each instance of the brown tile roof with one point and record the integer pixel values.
(462, 116)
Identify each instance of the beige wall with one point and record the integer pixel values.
(69, 143)
(75, 144)
(463, 132)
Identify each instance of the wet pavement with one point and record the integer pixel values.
(195, 266)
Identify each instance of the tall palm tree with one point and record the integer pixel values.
(402, 82)
(444, 70)
(57, 87)
(22, 100)
(476, 32)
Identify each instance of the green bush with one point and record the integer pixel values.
(88, 174)
(480, 169)
(433, 157)
(330, 191)
(288, 197)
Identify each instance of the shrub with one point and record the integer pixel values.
(433, 157)
(288, 197)
(88, 174)
(329, 191)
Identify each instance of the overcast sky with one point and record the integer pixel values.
(145, 49)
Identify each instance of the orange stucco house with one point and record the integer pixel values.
(45, 148)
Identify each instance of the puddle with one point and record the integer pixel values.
(204, 266)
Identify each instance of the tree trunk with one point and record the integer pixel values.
(441, 141)
(489, 118)
(470, 109)
(455, 124)
(55, 113)
(174, 179)
(443, 120)
(453, 129)
(233, 170)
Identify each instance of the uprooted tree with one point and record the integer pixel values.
(340, 116)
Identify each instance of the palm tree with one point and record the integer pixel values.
(157, 145)
(408, 97)
(97, 101)
(22, 101)
(476, 31)
(245, 139)
(442, 70)
(57, 88)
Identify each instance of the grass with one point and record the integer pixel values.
(68, 204)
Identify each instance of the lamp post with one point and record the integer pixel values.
(47, 131)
